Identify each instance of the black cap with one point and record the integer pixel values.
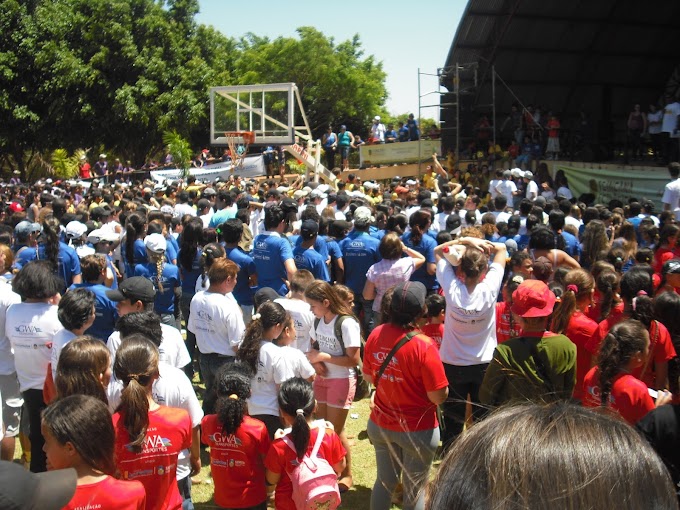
(21, 489)
(453, 223)
(263, 295)
(289, 205)
(671, 267)
(309, 229)
(136, 288)
(100, 212)
(409, 298)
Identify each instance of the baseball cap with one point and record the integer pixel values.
(209, 192)
(325, 188)
(75, 229)
(26, 227)
(409, 298)
(100, 212)
(363, 215)
(21, 489)
(377, 117)
(16, 207)
(135, 288)
(507, 173)
(156, 243)
(317, 193)
(309, 229)
(263, 295)
(411, 182)
(289, 205)
(528, 174)
(533, 298)
(300, 194)
(543, 268)
(671, 267)
(453, 224)
(516, 172)
(99, 235)
(102, 156)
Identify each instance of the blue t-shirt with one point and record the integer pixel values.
(23, 255)
(138, 257)
(106, 313)
(573, 247)
(242, 291)
(228, 213)
(109, 262)
(270, 252)
(359, 253)
(68, 264)
(164, 303)
(170, 253)
(311, 261)
(378, 234)
(426, 248)
(320, 245)
(189, 277)
(523, 241)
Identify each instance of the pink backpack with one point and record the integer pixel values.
(315, 483)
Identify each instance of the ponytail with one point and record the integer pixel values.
(134, 229)
(578, 283)
(159, 260)
(136, 365)
(296, 399)
(50, 234)
(622, 342)
(233, 389)
(607, 284)
(270, 314)
(642, 309)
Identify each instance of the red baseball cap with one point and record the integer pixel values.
(16, 207)
(533, 298)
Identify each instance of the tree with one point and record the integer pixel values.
(180, 150)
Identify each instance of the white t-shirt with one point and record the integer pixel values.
(58, 343)
(173, 389)
(217, 322)
(272, 370)
(507, 188)
(570, 220)
(654, 129)
(7, 298)
(470, 326)
(501, 216)
(325, 335)
(671, 194)
(182, 209)
(30, 328)
(439, 223)
(302, 317)
(532, 190)
(670, 117)
(492, 187)
(297, 362)
(172, 350)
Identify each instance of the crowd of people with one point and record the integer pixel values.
(472, 291)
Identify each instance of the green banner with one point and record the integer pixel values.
(609, 182)
(401, 152)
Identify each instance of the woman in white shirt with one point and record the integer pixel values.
(30, 327)
(471, 291)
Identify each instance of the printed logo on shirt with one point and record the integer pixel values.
(204, 315)
(261, 245)
(27, 328)
(89, 506)
(152, 444)
(225, 439)
(356, 244)
(127, 475)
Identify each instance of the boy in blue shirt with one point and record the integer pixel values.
(304, 254)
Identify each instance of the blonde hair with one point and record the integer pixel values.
(159, 260)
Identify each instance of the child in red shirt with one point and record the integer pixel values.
(506, 325)
(79, 434)
(297, 405)
(149, 437)
(610, 383)
(436, 313)
(238, 444)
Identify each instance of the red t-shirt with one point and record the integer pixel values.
(579, 330)
(85, 171)
(236, 461)
(660, 346)
(281, 459)
(659, 258)
(401, 402)
(629, 395)
(553, 126)
(435, 332)
(109, 494)
(169, 433)
(506, 326)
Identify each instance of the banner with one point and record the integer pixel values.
(398, 152)
(253, 166)
(610, 181)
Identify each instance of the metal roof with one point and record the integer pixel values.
(599, 55)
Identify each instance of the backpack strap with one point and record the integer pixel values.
(338, 331)
(391, 354)
(319, 439)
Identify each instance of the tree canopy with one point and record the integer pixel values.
(117, 74)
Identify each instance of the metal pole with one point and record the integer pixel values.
(457, 88)
(420, 137)
(493, 104)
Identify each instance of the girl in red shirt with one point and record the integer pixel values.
(506, 325)
(570, 320)
(149, 437)
(79, 434)
(668, 238)
(238, 444)
(606, 300)
(610, 383)
(297, 405)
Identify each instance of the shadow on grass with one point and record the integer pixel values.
(358, 498)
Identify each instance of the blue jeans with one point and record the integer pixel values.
(368, 322)
(210, 364)
(405, 455)
(184, 486)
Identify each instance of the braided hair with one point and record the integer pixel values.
(233, 389)
(296, 398)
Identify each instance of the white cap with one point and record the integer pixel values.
(517, 172)
(83, 157)
(371, 185)
(156, 243)
(323, 188)
(377, 117)
(317, 193)
(100, 234)
(363, 214)
(102, 156)
(75, 229)
(411, 182)
(282, 189)
(300, 194)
